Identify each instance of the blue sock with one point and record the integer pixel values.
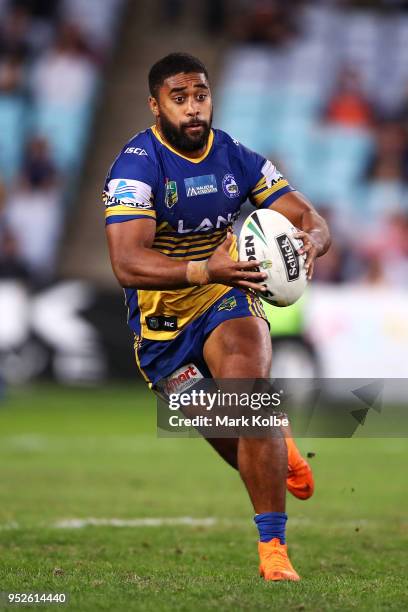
(271, 525)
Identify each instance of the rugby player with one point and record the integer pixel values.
(171, 197)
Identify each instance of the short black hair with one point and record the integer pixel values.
(172, 64)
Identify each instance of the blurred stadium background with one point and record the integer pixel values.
(319, 87)
(322, 89)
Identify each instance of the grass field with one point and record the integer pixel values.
(79, 454)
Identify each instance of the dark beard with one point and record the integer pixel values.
(179, 139)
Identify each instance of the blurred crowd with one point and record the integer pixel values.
(258, 21)
(51, 56)
(322, 89)
(372, 249)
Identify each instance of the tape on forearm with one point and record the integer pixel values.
(197, 273)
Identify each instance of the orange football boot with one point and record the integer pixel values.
(274, 561)
(300, 476)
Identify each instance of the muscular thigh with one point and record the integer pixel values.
(239, 348)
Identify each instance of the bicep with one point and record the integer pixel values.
(124, 239)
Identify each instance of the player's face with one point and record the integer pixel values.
(184, 111)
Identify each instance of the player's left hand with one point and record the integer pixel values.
(312, 247)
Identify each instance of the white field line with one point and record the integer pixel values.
(186, 521)
(9, 526)
(25, 442)
(77, 523)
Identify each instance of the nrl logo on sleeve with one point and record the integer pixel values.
(200, 185)
(170, 193)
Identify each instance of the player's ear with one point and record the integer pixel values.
(154, 107)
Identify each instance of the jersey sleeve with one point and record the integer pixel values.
(130, 189)
(266, 183)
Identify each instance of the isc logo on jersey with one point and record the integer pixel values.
(135, 151)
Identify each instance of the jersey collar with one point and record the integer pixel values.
(195, 160)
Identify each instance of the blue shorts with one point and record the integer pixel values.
(158, 360)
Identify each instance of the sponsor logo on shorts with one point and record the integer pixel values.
(200, 185)
(227, 303)
(289, 256)
(161, 323)
(181, 380)
(170, 193)
(229, 186)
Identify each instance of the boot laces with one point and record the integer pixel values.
(277, 554)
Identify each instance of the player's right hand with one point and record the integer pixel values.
(224, 270)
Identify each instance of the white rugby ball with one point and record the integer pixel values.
(267, 236)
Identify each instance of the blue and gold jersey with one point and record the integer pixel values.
(193, 202)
